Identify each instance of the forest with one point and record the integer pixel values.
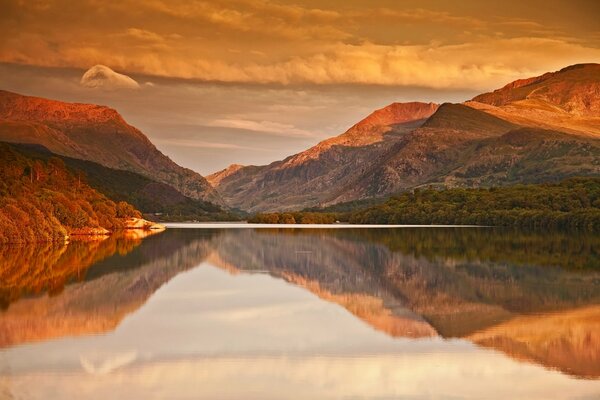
(300, 217)
(42, 201)
(571, 204)
(157, 201)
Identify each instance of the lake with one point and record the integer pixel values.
(225, 312)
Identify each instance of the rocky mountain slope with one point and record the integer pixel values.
(533, 130)
(325, 171)
(565, 100)
(94, 133)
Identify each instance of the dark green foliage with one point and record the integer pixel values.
(348, 206)
(573, 204)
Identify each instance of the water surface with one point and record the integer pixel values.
(304, 314)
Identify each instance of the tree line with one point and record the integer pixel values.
(571, 204)
(43, 201)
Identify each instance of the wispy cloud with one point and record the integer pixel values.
(275, 128)
(202, 144)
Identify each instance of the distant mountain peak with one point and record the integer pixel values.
(369, 130)
(372, 128)
(94, 133)
(17, 107)
(580, 66)
(574, 89)
(215, 178)
(397, 113)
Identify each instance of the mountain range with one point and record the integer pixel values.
(94, 133)
(539, 129)
(533, 130)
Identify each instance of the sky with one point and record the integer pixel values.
(250, 81)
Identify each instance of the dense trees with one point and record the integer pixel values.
(43, 201)
(294, 218)
(571, 204)
(157, 200)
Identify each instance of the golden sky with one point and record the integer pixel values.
(252, 81)
(428, 43)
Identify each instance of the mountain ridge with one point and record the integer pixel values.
(323, 166)
(94, 133)
(541, 128)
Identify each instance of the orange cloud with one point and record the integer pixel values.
(255, 41)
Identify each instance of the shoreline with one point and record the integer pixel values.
(246, 225)
(134, 225)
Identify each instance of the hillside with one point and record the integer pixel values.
(574, 89)
(561, 100)
(541, 129)
(41, 201)
(94, 133)
(322, 172)
(160, 201)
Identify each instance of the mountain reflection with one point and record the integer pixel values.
(48, 267)
(534, 297)
(531, 296)
(99, 283)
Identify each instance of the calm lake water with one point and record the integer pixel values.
(416, 313)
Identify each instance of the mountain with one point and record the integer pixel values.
(94, 133)
(562, 100)
(323, 172)
(161, 201)
(540, 129)
(479, 150)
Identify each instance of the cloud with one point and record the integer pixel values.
(144, 35)
(480, 65)
(263, 42)
(261, 126)
(190, 143)
(102, 77)
(105, 364)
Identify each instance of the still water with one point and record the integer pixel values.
(416, 313)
